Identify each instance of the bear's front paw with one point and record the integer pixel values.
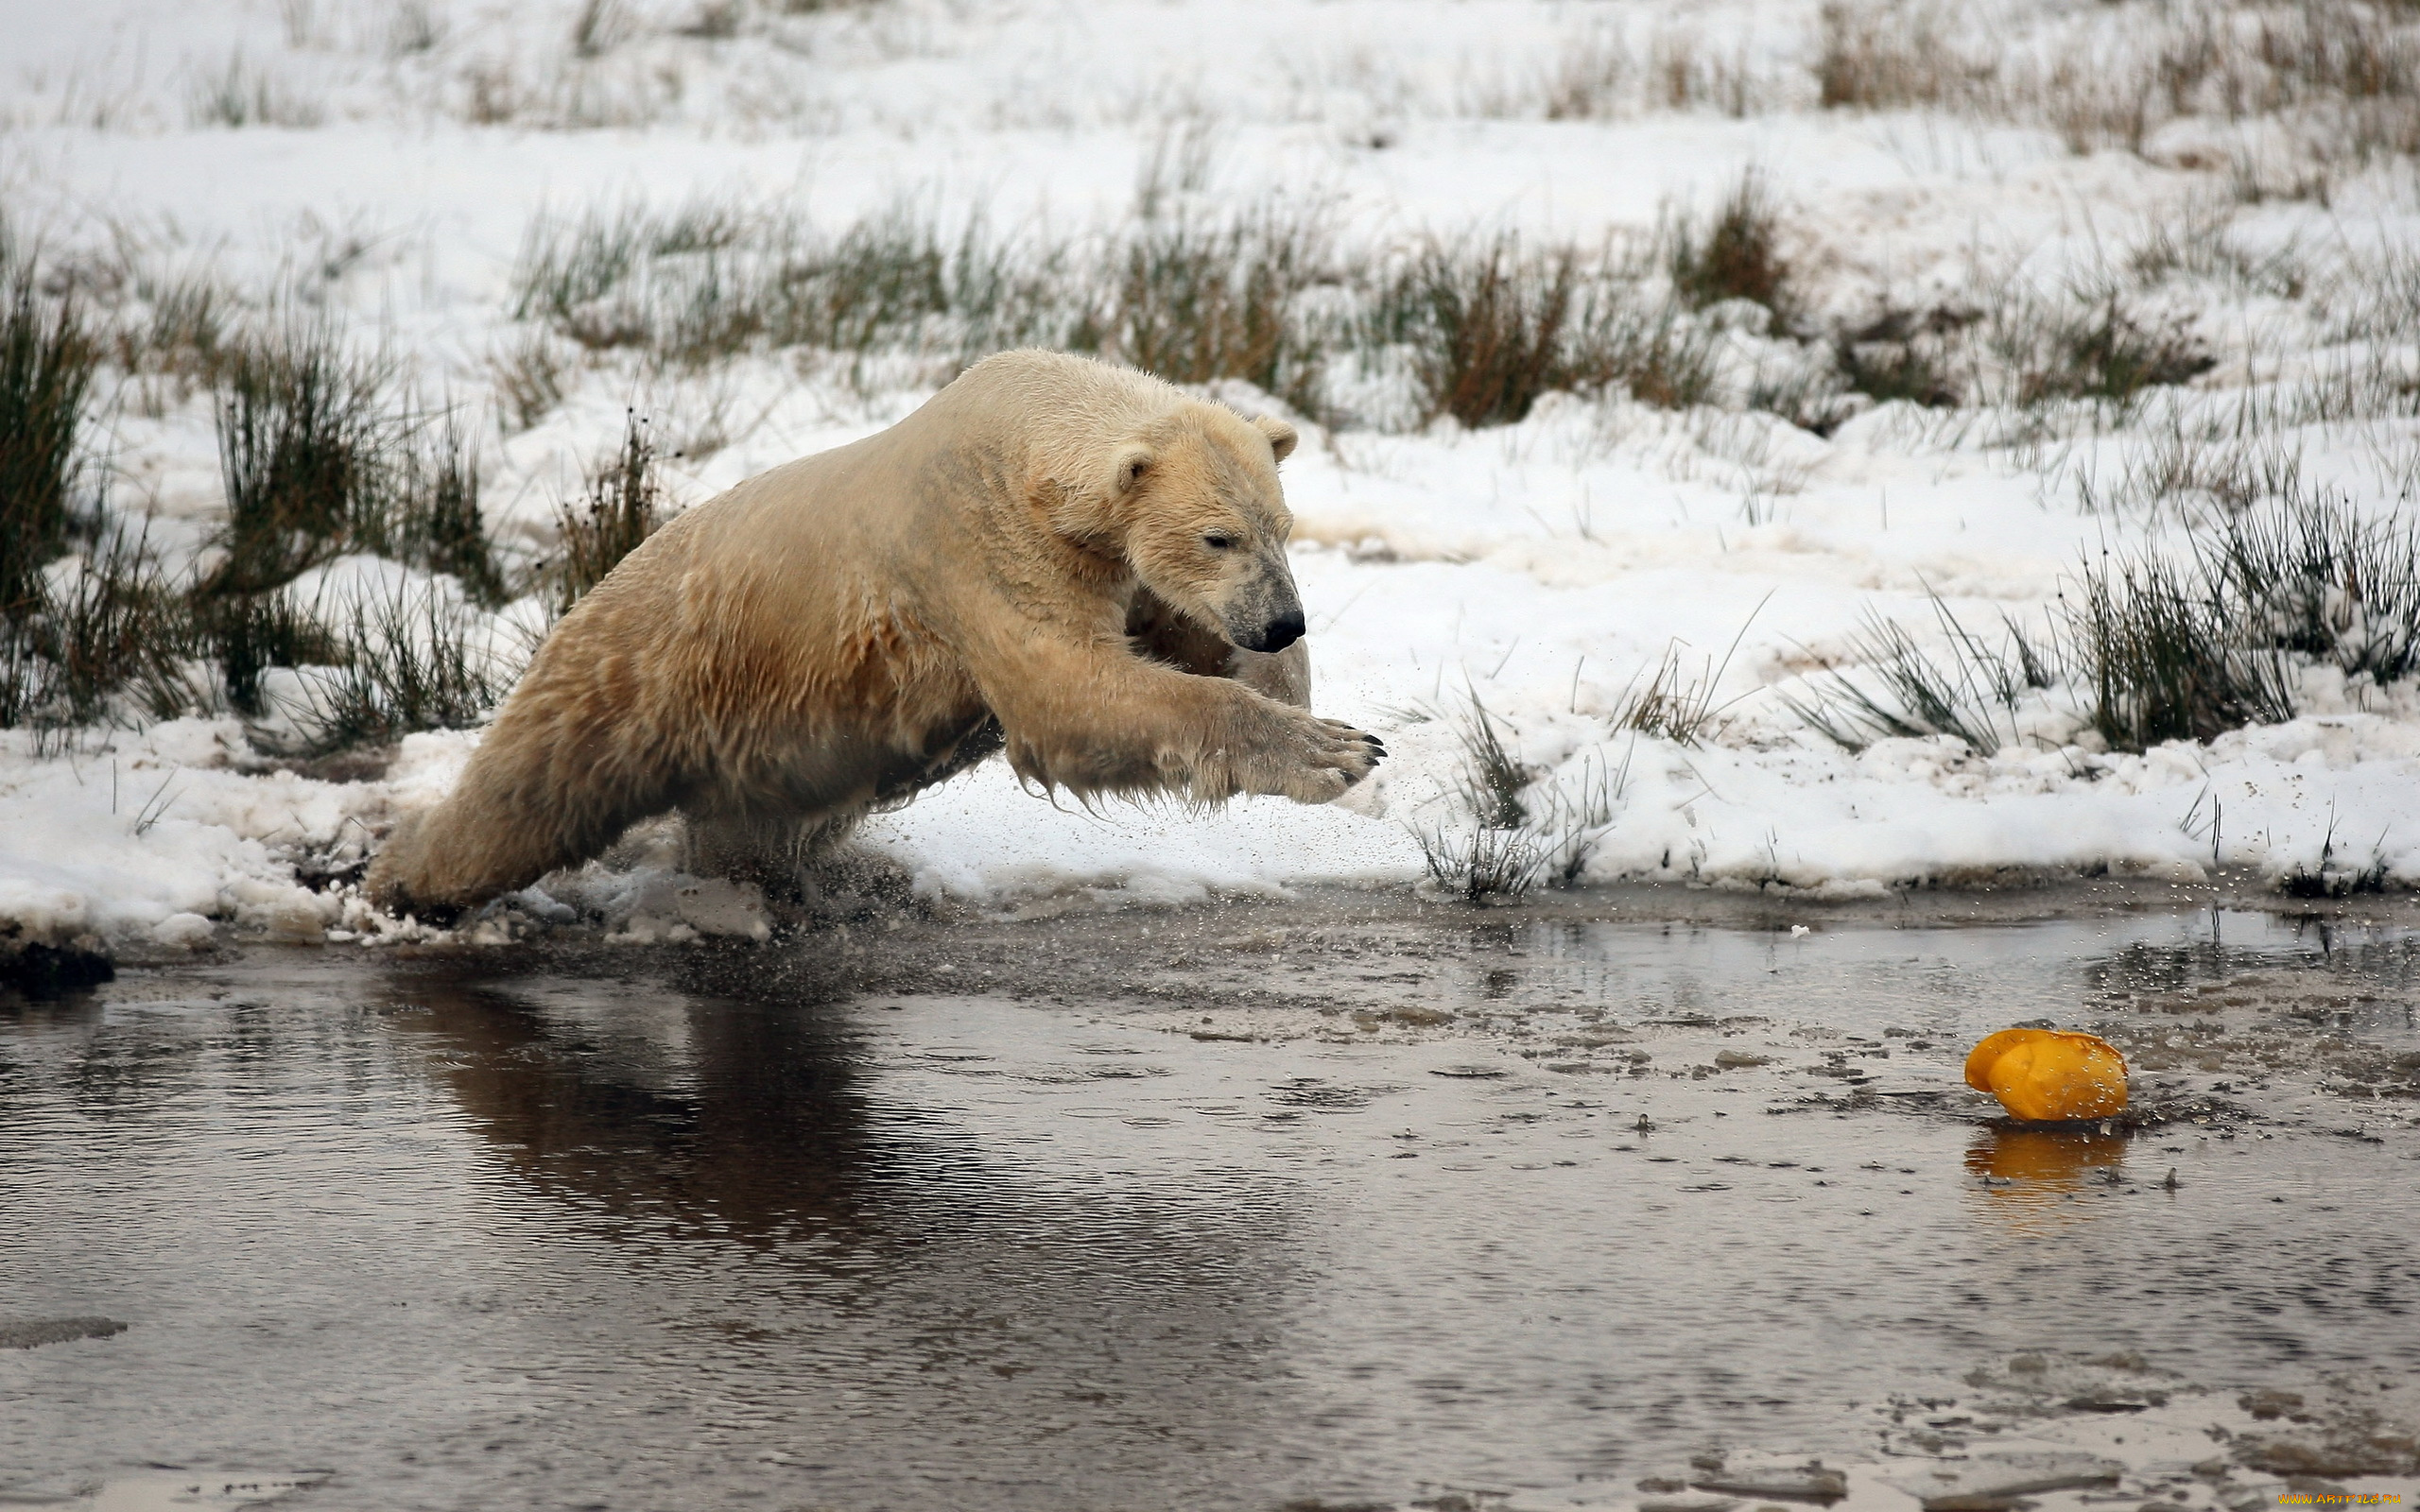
(1330, 757)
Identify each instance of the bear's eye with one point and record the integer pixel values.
(1217, 542)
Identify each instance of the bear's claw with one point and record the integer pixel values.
(1328, 756)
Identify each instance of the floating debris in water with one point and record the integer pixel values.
(1789, 1481)
(1989, 1483)
(32, 1333)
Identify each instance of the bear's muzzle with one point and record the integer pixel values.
(1278, 633)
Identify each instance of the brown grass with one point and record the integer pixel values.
(1495, 323)
(1738, 256)
(622, 506)
(1880, 58)
(2345, 73)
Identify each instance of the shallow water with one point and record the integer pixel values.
(1221, 1211)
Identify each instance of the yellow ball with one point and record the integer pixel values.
(2049, 1076)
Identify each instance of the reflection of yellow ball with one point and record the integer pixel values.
(2044, 1157)
(2049, 1076)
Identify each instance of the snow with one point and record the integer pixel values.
(1542, 568)
(161, 825)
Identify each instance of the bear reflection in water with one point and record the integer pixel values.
(734, 1122)
(739, 1156)
(763, 1120)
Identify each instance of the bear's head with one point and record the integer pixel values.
(1202, 521)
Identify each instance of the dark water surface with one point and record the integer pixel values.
(1179, 1229)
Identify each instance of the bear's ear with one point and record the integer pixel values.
(1281, 436)
(1132, 463)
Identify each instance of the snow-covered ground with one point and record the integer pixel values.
(394, 158)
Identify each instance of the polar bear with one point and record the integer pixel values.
(1073, 563)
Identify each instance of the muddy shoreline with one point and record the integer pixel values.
(912, 929)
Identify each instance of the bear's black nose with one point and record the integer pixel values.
(1280, 633)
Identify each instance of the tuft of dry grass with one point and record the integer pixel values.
(1497, 858)
(1879, 58)
(1682, 72)
(2098, 352)
(1592, 79)
(600, 26)
(47, 361)
(1674, 704)
(1484, 327)
(1492, 328)
(527, 380)
(2196, 471)
(399, 659)
(305, 448)
(239, 95)
(1482, 865)
(713, 20)
(2150, 649)
(247, 634)
(1738, 256)
(1596, 73)
(622, 506)
(1972, 691)
(184, 333)
(435, 521)
(1520, 828)
(115, 627)
(1912, 369)
(1195, 302)
(1494, 782)
(2162, 661)
(2339, 73)
(415, 26)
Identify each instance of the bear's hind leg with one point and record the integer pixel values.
(484, 840)
(808, 865)
(767, 848)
